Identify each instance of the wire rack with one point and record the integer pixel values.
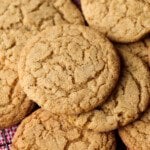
(6, 137)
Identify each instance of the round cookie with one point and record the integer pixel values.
(137, 135)
(141, 49)
(14, 104)
(68, 69)
(37, 14)
(45, 131)
(126, 103)
(122, 21)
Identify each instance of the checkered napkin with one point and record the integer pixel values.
(6, 137)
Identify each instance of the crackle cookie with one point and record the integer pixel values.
(45, 131)
(126, 103)
(37, 14)
(121, 20)
(141, 49)
(136, 136)
(14, 104)
(68, 69)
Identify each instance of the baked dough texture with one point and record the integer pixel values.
(38, 14)
(45, 131)
(137, 135)
(19, 19)
(68, 69)
(140, 49)
(121, 20)
(126, 103)
(14, 104)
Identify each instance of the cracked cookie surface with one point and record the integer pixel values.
(140, 49)
(45, 131)
(69, 69)
(14, 104)
(121, 20)
(137, 135)
(38, 14)
(126, 103)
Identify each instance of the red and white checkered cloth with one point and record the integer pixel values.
(6, 137)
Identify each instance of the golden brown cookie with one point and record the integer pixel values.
(126, 103)
(140, 49)
(37, 14)
(45, 131)
(136, 136)
(69, 69)
(14, 104)
(121, 20)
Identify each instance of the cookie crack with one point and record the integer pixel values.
(145, 44)
(6, 9)
(41, 22)
(139, 87)
(88, 120)
(61, 14)
(37, 7)
(66, 147)
(22, 15)
(13, 88)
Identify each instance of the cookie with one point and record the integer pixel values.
(14, 104)
(137, 135)
(140, 48)
(126, 103)
(68, 69)
(45, 131)
(122, 21)
(37, 14)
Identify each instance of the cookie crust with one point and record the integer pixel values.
(38, 14)
(126, 103)
(43, 130)
(140, 49)
(137, 135)
(14, 104)
(121, 20)
(69, 69)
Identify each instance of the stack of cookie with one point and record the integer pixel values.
(87, 80)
